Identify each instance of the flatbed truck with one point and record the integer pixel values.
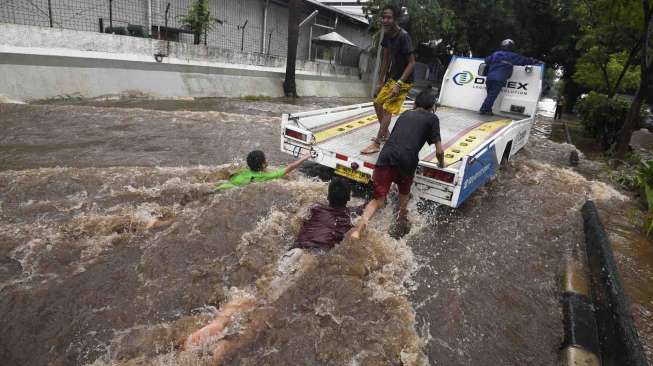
(475, 145)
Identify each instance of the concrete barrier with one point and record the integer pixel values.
(618, 338)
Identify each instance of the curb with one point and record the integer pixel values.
(618, 339)
(567, 133)
(574, 159)
(581, 343)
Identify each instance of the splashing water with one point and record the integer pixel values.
(119, 265)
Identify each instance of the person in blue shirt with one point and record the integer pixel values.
(499, 69)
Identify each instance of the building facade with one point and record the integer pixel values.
(250, 26)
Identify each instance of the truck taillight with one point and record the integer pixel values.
(342, 157)
(295, 134)
(437, 174)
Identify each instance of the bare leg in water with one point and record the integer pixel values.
(292, 266)
(402, 225)
(384, 129)
(372, 207)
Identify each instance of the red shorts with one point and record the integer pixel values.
(383, 178)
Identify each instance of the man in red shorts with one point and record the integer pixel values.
(400, 155)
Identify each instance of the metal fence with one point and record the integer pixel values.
(79, 15)
(240, 23)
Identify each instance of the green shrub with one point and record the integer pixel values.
(645, 180)
(256, 98)
(603, 117)
(136, 30)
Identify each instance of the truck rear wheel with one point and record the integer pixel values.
(506, 154)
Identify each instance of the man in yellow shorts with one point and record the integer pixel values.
(397, 68)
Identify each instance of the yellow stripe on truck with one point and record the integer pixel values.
(346, 127)
(471, 140)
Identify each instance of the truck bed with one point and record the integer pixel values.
(348, 136)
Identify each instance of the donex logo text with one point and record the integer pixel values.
(463, 78)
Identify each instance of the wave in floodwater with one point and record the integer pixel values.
(116, 266)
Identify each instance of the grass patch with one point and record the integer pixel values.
(256, 98)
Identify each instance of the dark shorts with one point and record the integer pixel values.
(383, 178)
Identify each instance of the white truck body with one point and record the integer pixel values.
(474, 144)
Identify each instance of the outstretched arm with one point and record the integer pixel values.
(409, 68)
(523, 60)
(294, 165)
(385, 65)
(383, 70)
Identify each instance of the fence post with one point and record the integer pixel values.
(50, 12)
(111, 15)
(149, 18)
(269, 41)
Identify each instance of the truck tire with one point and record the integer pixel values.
(506, 155)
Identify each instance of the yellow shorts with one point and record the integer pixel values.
(390, 104)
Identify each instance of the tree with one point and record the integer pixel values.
(199, 20)
(609, 28)
(294, 12)
(591, 76)
(427, 20)
(545, 29)
(646, 67)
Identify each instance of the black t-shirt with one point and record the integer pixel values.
(411, 131)
(400, 47)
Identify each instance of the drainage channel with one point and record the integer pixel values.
(599, 326)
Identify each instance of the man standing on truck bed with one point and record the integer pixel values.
(499, 69)
(399, 60)
(399, 158)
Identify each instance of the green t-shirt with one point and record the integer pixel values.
(247, 176)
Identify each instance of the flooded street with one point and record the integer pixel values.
(113, 250)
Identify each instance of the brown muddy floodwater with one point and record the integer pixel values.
(112, 252)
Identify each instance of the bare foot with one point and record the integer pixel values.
(373, 148)
(157, 224)
(215, 328)
(225, 348)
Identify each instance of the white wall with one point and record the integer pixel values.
(38, 62)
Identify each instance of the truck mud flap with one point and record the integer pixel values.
(478, 170)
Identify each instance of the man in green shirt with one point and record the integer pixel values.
(257, 171)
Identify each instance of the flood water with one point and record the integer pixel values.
(113, 251)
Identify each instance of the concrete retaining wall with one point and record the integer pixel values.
(40, 63)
